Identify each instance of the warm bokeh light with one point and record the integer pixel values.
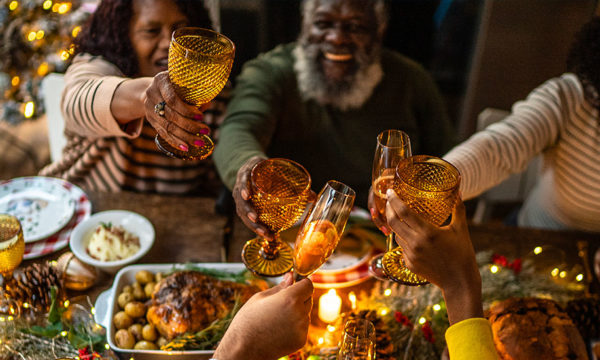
(15, 81)
(383, 312)
(352, 298)
(64, 55)
(55, 7)
(13, 5)
(494, 269)
(39, 34)
(29, 109)
(437, 307)
(76, 31)
(42, 69)
(563, 274)
(579, 277)
(31, 36)
(47, 4)
(64, 7)
(537, 250)
(555, 272)
(387, 292)
(422, 320)
(330, 328)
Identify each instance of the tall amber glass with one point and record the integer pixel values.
(200, 61)
(322, 228)
(12, 244)
(392, 147)
(429, 186)
(280, 189)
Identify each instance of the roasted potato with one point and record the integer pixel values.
(145, 345)
(124, 298)
(122, 321)
(135, 309)
(144, 277)
(124, 339)
(149, 332)
(136, 331)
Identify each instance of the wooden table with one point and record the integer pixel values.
(189, 230)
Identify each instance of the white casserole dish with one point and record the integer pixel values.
(106, 306)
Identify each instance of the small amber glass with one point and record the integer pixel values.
(12, 244)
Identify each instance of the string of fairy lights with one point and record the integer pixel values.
(37, 39)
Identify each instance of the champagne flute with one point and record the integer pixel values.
(358, 341)
(429, 186)
(280, 189)
(392, 146)
(322, 228)
(200, 61)
(12, 245)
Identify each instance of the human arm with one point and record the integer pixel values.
(445, 256)
(98, 101)
(272, 324)
(506, 147)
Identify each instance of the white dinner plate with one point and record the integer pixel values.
(43, 205)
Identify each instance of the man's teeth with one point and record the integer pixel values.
(338, 57)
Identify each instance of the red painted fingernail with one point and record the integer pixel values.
(260, 232)
(198, 117)
(183, 147)
(204, 131)
(245, 194)
(199, 143)
(385, 230)
(252, 217)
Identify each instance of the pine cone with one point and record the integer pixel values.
(585, 313)
(32, 285)
(384, 348)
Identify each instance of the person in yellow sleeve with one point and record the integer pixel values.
(445, 256)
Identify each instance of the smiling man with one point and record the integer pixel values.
(322, 100)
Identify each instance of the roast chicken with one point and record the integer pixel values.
(189, 301)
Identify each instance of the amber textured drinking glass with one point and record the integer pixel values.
(429, 186)
(280, 189)
(358, 341)
(392, 146)
(12, 245)
(200, 61)
(322, 228)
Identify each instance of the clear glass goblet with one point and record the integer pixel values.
(322, 228)
(392, 146)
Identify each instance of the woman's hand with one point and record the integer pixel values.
(175, 121)
(241, 195)
(272, 324)
(443, 255)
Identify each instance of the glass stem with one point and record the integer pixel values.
(390, 242)
(270, 248)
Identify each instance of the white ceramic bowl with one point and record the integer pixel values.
(130, 221)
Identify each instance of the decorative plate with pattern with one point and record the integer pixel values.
(43, 205)
(57, 241)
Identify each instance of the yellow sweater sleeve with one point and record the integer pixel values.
(471, 339)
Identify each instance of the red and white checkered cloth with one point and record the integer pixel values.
(57, 241)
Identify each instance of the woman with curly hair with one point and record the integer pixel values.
(108, 103)
(561, 120)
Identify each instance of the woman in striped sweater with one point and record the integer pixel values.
(560, 119)
(111, 89)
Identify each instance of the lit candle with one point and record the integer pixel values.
(330, 305)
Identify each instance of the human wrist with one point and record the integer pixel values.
(235, 346)
(463, 300)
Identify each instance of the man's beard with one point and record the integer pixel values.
(349, 93)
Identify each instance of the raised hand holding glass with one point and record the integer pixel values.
(200, 61)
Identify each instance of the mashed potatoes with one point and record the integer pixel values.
(110, 243)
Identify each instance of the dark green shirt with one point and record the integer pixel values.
(267, 116)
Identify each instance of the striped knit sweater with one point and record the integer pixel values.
(103, 156)
(557, 121)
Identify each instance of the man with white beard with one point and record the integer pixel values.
(322, 101)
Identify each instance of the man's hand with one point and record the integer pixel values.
(443, 255)
(272, 324)
(241, 196)
(178, 123)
